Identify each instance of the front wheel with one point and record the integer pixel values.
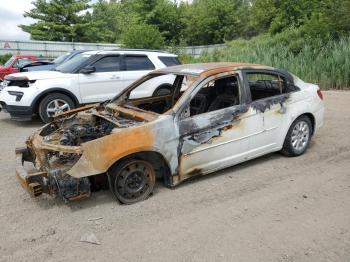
(132, 180)
(298, 137)
(53, 104)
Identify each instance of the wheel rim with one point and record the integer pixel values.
(134, 181)
(56, 106)
(300, 136)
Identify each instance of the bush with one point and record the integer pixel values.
(326, 63)
(142, 36)
(4, 58)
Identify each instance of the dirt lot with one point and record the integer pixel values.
(270, 209)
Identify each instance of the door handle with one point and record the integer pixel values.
(114, 77)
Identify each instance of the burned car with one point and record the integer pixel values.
(216, 115)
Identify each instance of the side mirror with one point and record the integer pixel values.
(88, 70)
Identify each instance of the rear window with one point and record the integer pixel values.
(135, 63)
(169, 60)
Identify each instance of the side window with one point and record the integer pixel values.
(264, 85)
(217, 94)
(169, 60)
(108, 64)
(135, 63)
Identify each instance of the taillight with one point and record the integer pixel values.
(319, 93)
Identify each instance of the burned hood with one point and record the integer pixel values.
(91, 122)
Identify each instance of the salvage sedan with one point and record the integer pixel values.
(215, 115)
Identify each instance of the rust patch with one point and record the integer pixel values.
(73, 111)
(208, 69)
(40, 144)
(133, 112)
(192, 173)
(102, 153)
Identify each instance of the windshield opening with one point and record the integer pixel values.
(71, 65)
(155, 93)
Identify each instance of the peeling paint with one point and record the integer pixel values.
(264, 104)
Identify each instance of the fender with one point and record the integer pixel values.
(312, 119)
(53, 90)
(100, 154)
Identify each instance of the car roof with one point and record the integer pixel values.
(207, 69)
(131, 51)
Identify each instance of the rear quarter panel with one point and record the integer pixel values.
(305, 101)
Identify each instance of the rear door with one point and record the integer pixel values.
(135, 66)
(103, 84)
(270, 99)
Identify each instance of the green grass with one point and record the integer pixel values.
(326, 63)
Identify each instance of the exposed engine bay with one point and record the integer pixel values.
(58, 146)
(80, 133)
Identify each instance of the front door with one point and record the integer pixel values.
(215, 127)
(103, 84)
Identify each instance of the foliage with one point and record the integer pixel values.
(198, 22)
(211, 22)
(323, 62)
(308, 37)
(58, 20)
(4, 58)
(143, 36)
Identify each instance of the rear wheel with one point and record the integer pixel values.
(132, 180)
(53, 104)
(298, 137)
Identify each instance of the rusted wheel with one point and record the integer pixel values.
(132, 180)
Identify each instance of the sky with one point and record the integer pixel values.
(11, 15)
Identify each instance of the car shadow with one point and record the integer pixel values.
(99, 198)
(105, 197)
(35, 122)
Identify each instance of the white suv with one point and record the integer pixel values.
(90, 77)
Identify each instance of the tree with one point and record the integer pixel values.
(165, 15)
(213, 22)
(58, 20)
(142, 36)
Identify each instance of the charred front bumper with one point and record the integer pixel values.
(33, 180)
(53, 181)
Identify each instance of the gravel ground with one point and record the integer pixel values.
(269, 209)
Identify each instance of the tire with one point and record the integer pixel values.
(132, 180)
(298, 137)
(54, 103)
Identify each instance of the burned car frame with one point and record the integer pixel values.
(216, 115)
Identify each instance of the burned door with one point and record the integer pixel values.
(270, 99)
(214, 127)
